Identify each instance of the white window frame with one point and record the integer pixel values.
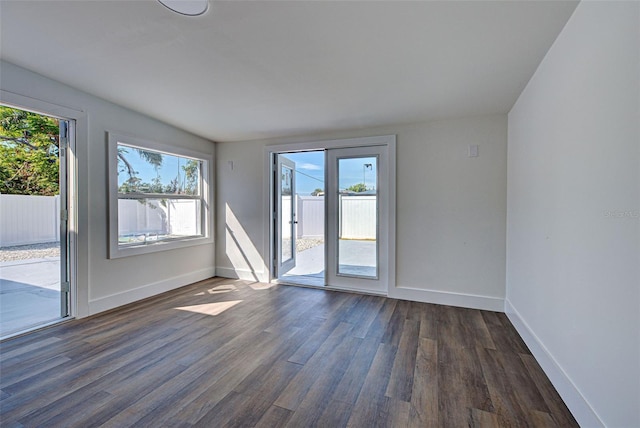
(116, 250)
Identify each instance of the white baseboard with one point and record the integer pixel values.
(472, 301)
(573, 398)
(243, 274)
(129, 296)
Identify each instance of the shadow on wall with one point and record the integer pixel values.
(240, 250)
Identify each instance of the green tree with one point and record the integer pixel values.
(317, 192)
(133, 183)
(29, 153)
(191, 177)
(357, 188)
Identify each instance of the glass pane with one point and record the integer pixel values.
(358, 216)
(286, 176)
(142, 221)
(147, 171)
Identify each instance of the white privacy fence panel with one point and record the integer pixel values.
(184, 217)
(179, 217)
(141, 217)
(358, 217)
(285, 216)
(310, 217)
(26, 219)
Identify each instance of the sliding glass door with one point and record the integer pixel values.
(34, 220)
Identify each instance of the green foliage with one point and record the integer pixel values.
(358, 188)
(187, 185)
(191, 177)
(29, 159)
(317, 192)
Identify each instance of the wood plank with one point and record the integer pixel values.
(351, 383)
(424, 396)
(503, 394)
(274, 417)
(247, 408)
(481, 419)
(370, 407)
(401, 380)
(558, 410)
(462, 385)
(318, 365)
(317, 399)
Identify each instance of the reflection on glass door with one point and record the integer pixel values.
(357, 212)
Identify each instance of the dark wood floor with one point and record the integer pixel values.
(227, 353)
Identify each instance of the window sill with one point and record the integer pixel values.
(116, 251)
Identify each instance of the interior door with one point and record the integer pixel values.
(358, 219)
(285, 214)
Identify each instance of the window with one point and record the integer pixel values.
(158, 197)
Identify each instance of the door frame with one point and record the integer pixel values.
(270, 151)
(76, 120)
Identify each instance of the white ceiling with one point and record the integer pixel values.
(248, 70)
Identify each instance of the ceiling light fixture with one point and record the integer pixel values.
(187, 7)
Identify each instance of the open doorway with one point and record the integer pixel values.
(299, 222)
(34, 215)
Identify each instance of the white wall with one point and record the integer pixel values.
(573, 268)
(451, 209)
(104, 283)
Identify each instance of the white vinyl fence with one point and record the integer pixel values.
(358, 217)
(178, 217)
(310, 216)
(26, 219)
(36, 219)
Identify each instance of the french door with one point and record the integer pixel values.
(285, 214)
(357, 219)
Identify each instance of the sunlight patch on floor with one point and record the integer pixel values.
(261, 285)
(218, 290)
(210, 308)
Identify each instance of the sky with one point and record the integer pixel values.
(310, 171)
(171, 166)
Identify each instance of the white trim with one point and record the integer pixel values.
(115, 251)
(243, 274)
(486, 303)
(35, 105)
(149, 290)
(578, 405)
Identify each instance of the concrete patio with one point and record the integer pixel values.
(357, 257)
(29, 293)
